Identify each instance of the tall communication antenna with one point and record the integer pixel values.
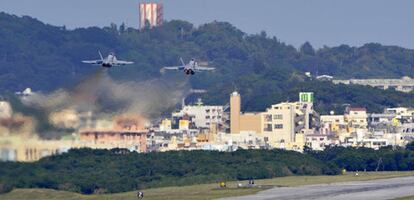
(379, 163)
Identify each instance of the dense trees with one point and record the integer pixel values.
(360, 159)
(96, 171)
(90, 171)
(264, 69)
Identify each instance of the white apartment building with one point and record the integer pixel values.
(333, 124)
(401, 113)
(318, 141)
(285, 124)
(356, 117)
(5, 110)
(405, 84)
(202, 116)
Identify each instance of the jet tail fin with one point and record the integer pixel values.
(182, 62)
(100, 55)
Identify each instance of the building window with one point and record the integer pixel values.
(278, 116)
(268, 118)
(278, 126)
(268, 127)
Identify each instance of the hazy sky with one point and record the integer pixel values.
(321, 22)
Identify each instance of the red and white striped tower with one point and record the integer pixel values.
(151, 12)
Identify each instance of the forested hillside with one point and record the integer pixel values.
(263, 69)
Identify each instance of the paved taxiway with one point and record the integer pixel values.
(368, 190)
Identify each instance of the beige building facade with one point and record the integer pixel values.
(242, 122)
(356, 118)
(282, 125)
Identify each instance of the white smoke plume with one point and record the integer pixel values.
(106, 97)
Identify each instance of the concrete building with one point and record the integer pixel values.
(165, 125)
(356, 117)
(128, 132)
(235, 111)
(250, 122)
(5, 110)
(133, 140)
(333, 124)
(151, 13)
(407, 131)
(243, 140)
(282, 125)
(29, 149)
(242, 122)
(403, 114)
(199, 115)
(405, 84)
(318, 141)
(278, 123)
(285, 124)
(374, 143)
(376, 119)
(400, 111)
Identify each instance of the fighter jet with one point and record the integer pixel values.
(108, 62)
(190, 68)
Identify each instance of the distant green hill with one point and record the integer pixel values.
(265, 70)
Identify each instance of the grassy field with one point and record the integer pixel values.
(199, 192)
(405, 198)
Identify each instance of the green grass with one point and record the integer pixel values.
(405, 198)
(199, 192)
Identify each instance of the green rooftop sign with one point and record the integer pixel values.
(306, 97)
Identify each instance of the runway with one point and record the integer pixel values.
(381, 189)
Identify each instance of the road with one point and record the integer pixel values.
(367, 190)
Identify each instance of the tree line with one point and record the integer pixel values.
(90, 171)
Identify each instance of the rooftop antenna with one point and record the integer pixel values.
(183, 102)
(317, 71)
(235, 87)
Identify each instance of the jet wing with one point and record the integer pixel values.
(174, 68)
(201, 68)
(93, 62)
(121, 62)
